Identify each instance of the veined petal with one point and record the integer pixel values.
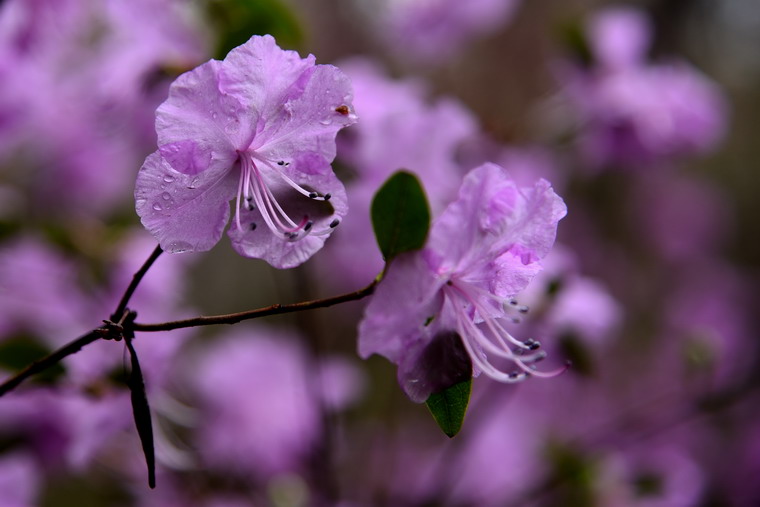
(402, 307)
(493, 215)
(260, 73)
(198, 126)
(307, 124)
(184, 212)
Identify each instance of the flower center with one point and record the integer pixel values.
(478, 314)
(255, 194)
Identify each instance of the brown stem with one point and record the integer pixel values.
(277, 309)
(50, 360)
(136, 279)
(114, 330)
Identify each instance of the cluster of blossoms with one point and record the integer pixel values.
(229, 131)
(636, 292)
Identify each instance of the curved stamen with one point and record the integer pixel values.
(493, 325)
(254, 193)
(310, 194)
(458, 299)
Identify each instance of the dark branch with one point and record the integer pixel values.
(136, 279)
(234, 318)
(50, 360)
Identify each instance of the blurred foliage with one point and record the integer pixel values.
(235, 21)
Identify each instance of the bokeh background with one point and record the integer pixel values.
(641, 114)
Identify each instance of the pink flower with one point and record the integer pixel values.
(446, 302)
(258, 127)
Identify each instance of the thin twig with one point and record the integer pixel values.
(50, 360)
(110, 330)
(277, 309)
(136, 279)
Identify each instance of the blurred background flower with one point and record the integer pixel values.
(640, 113)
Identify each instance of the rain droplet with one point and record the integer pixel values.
(168, 178)
(325, 122)
(157, 206)
(179, 246)
(165, 196)
(193, 183)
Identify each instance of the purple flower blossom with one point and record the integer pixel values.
(635, 113)
(483, 249)
(431, 30)
(260, 401)
(19, 480)
(258, 127)
(79, 84)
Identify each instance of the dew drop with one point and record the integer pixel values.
(179, 246)
(157, 206)
(325, 122)
(165, 196)
(193, 183)
(168, 178)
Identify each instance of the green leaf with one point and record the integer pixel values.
(400, 215)
(237, 20)
(449, 406)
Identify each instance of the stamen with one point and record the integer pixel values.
(334, 223)
(494, 343)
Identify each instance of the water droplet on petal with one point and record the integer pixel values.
(165, 196)
(194, 183)
(157, 206)
(325, 122)
(179, 246)
(168, 178)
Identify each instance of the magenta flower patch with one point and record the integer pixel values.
(258, 128)
(483, 249)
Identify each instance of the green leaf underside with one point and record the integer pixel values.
(400, 215)
(449, 406)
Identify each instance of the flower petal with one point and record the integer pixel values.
(184, 212)
(301, 106)
(403, 306)
(198, 126)
(260, 242)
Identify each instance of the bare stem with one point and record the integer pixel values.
(136, 279)
(277, 309)
(50, 360)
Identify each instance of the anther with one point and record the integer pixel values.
(334, 223)
(327, 196)
(253, 226)
(281, 162)
(308, 225)
(313, 195)
(291, 235)
(532, 344)
(523, 309)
